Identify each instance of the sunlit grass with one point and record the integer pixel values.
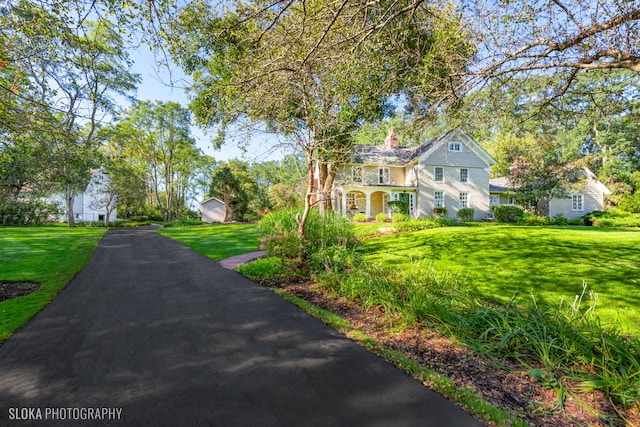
(50, 256)
(217, 241)
(546, 263)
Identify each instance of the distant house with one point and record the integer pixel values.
(587, 199)
(91, 204)
(213, 210)
(451, 171)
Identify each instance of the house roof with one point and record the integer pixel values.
(499, 185)
(383, 155)
(211, 199)
(380, 154)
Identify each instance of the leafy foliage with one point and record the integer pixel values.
(507, 213)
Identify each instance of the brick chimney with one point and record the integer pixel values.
(391, 141)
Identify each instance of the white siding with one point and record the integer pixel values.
(593, 201)
(212, 211)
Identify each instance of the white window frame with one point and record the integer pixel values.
(384, 175)
(455, 147)
(385, 203)
(438, 202)
(351, 199)
(435, 174)
(577, 202)
(463, 200)
(464, 177)
(494, 200)
(412, 202)
(355, 171)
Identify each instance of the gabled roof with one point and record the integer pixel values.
(383, 155)
(210, 199)
(500, 185)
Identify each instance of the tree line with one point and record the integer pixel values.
(542, 84)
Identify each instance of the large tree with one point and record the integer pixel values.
(155, 139)
(559, 38)
(314, 71)
(66, 74)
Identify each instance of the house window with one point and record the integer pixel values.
(356, 174)
(438, 199)
(513, 201)
(455, 146)
(100, 217)
(351, 200)
(438, 174)
(495, 200)
(383, 175)
(464, 175)
(577, 202)
(385, 203)
(464, 200)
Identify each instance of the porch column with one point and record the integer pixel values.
(367, 210)
(344, 202)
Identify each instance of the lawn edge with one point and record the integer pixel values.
(466, 397)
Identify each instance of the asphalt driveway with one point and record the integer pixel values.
(151, 333)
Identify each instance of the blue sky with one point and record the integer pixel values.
(155, 86)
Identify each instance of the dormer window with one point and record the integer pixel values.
(455, 146)
(356, 174)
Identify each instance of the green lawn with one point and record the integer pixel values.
(217, 241)
(50, 256)
(549, 263)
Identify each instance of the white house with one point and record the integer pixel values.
(213, 210)
(451, 171)
(586, 199)
(92, 204)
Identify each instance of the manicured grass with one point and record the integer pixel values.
(50, 256)
(548, 263)
(218, 241)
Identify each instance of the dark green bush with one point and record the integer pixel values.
(27, 212)
(465, 214)
(507, 213)
(613, 218)
(559, 220)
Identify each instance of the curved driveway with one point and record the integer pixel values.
(170, 338)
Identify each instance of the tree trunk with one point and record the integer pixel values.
(69, 198)
(302, 221)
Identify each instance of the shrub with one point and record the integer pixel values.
(576, 221)
(528, 218)
(183, 223)
(441, 212)
(27, 212)
(465, 214)
(280, 235)
(360, 217)
(507, 213)
(399, 217)
(612, 218)
(423, 224)
(560, 220)
(382, 217)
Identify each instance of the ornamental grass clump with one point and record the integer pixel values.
(563, 347)
(324, 234)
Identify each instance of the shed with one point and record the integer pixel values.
(213, 210)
